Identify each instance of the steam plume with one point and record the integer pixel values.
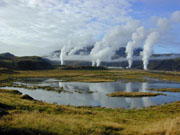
(98, 62)
(137, 39)
(93, 63)
(105, 49)
(62, 56)
(147, 49)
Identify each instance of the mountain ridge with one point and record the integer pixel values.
(10, 61)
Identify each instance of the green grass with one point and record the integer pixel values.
(133, 94)
(22, 116)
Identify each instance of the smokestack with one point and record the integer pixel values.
(137, 39)
(152, 39)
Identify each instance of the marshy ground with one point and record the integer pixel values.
(134, 94)
(167, 89)
(20, 115)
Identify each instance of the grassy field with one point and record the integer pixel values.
(94, 75)
(20, 116)
(134, 94)
(101, 75)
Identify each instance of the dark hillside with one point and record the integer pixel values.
(10, 61)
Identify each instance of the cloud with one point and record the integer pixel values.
(36, 27)
(175, 17)
(37, 23)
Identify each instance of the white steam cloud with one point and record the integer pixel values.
(137, 39)
(105, 49)
(147, 49)
(159, 34)
(75, 44)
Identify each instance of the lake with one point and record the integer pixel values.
(95, 94)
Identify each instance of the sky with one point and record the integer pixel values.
(37, 27)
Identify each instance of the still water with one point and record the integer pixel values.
(94, 94)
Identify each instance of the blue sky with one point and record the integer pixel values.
(150, 8)
(36, 27)
(145, 9)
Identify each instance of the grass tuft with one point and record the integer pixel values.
(166, 89)
(134, 94)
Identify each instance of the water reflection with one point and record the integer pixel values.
(80, 95)
(146, 100)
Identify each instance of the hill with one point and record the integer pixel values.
(10, 61)
(166, 62)
(69, 67)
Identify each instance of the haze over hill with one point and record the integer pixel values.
(169, 62)
(120, 55)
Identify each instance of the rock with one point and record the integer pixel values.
(27, 97)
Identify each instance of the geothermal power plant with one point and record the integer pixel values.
(131, 35)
